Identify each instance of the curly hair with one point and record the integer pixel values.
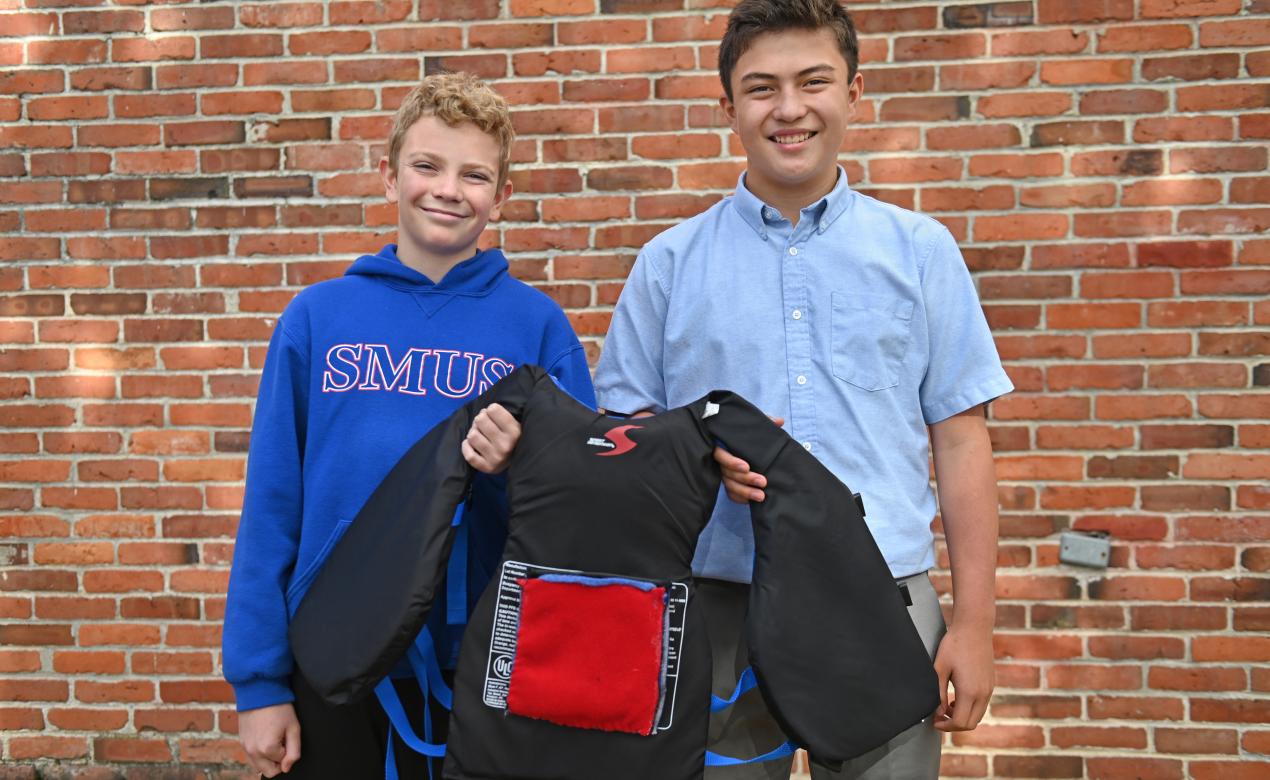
(455, 98)
(751, 18)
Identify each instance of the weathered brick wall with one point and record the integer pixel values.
(172, 173)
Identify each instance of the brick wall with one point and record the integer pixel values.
(171, 173)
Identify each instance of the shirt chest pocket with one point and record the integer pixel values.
(870, 337)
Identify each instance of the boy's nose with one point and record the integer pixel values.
(790, 106)
(446, 187)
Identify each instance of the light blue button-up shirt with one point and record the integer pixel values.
(860, 326)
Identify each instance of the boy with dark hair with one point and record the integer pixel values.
(855, 321)
(358, 369)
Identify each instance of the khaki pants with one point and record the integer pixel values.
(747, 729)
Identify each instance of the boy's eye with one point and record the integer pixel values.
(478, 176)
(757, 89)
(424, 166)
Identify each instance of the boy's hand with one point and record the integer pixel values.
(741, 484)
(965, 659)
(271, 737)
(489, 443)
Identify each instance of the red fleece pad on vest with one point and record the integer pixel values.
(589, 656)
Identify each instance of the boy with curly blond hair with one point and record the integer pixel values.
(358, 369)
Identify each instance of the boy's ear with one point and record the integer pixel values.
(855, 91)
(500, 201)
(390, 179)
(729, 110)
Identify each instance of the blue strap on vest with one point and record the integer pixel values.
(422, 655)
(423, 660)
(456, 573)
(714, 759)
(746, 683)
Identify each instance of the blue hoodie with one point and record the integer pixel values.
(358, 369)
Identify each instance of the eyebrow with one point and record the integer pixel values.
(804, 72)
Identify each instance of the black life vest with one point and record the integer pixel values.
(585, 657)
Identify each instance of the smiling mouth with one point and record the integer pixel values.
(443, 213)
(791, 138)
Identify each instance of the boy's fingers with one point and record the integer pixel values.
(748, 478)
(498, 427)
(292, 746)
(729, 462)
(470, 455)
(263, 765)
(502, 418)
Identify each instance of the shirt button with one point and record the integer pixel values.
(798, 314)
(807, 446)
(793, 250)
(769, 214)
(802, 380)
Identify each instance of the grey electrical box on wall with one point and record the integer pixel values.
(1085, 548)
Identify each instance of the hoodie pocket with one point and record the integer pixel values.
(870, 339)
(300, 584)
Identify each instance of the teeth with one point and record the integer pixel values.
(792, 139)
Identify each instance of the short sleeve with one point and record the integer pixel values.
(964, 369)
(630, 375)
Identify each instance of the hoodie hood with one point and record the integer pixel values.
(475, 276)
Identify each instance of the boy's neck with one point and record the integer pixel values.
(430, 264)
(791, 200)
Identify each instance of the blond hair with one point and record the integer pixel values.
(455, 98)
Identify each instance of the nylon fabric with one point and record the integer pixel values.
(596, 496)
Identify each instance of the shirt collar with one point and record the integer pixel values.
(822, 213)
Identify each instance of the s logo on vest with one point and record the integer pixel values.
(615, 441)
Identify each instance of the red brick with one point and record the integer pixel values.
(1191, 68)
(1083, 11)
(1112, 768)
(121, 581)
(1092, 376)
(47, 747)
(131, 750)
(1124, 101)
(1093, 736)
(1029, 42)
(1093, 71)
(585, 209)
(1083, 437)
(172, 720)
(938, 47)
(242, 103)
(1246, 32)
(1119, 38)
(1062, 196)
(1170, 9)
(1184, 618)
(1236, 96)
(1132, 708)
(183, 692)
(84, 719)
(1241, 769)
(1248, 649)
(1122, 223)
(1217, 159)
(1230, 710)
(1036, 766)
(1154, 130)
(925, 109)
(88, 662)
(1135, 162)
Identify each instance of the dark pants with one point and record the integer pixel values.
(351, 741)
